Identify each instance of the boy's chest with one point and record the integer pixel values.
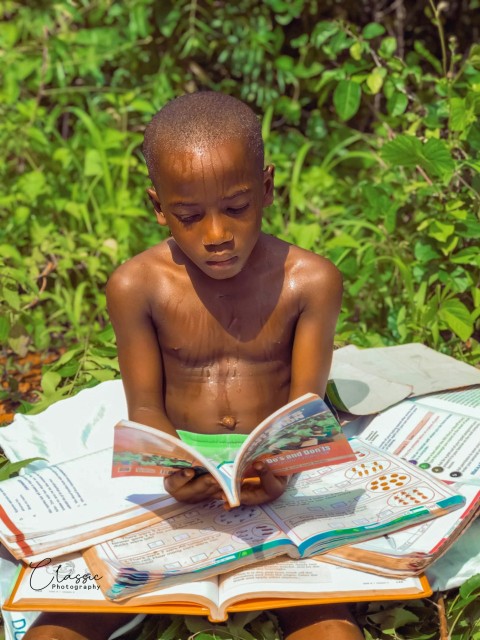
(195, 330)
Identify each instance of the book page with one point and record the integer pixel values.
(327, 507)
(193, 541)
(311, 578)
(444, 444)
(302, 435)
(139, 450)
(361, 392)
(58, 499)
(465, 402)
(429, 537)
(412, 364)
(68, 582)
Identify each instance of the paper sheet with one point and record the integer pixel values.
(370, 380)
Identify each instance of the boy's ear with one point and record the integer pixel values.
(268, 180)
(152, 194)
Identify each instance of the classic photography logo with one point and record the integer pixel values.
(63, 576)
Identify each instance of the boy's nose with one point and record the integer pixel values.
(216, 233)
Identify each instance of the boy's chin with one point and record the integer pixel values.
(222, 271)
(222, 275)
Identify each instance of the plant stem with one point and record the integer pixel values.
(443, 625)
(441, 35)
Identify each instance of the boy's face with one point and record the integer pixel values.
(212, 200)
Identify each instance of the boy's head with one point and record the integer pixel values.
(204, 153)
(201, 120)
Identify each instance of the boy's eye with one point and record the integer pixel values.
(235, 210)
(189, 219)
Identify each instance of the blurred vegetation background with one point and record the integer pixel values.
(370, 114)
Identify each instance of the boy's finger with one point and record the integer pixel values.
(271, 484)
(188, 488)
(177, 480)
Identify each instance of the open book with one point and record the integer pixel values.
(57, 509)
(69, 586)
(366, 381)
(438, 433)
(412, 550)
(302, 435)
(321, 509)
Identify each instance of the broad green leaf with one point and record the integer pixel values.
(323, 31)
(285, 63)
(12, 298)
(471, 585)
(307, 235)
(403, 150)
(388, 47)
(93, 163)
(372, 30)
(391, 619)
(441, 231)
(460, 116)
(9, 34)
(397, 103)
(375, 80)
(346, 98)
(474, 56)
(356, 51)
(425, 252)
(50, 381)
(408, 151)
(7, 469)
(32, 184)
(457, 317)
(4, 328)
(436, 158)
(102, 375)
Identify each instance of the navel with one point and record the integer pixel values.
(229, 422)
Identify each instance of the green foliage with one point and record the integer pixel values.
(9, 469)
(375, 139)
(239, 626)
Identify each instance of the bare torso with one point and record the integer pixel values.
(217, 355)
(226, 351)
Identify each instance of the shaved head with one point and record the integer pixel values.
(201, 121)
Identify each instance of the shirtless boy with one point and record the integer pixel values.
(220, 324)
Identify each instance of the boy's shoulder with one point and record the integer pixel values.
(306, 267)
(136, 273)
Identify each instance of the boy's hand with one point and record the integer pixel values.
(265, 488)
(184, 486)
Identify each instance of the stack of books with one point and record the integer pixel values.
(361, 519)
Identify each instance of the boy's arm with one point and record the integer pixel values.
(321, 287)
(138, 350)
(314, 334)
(142, 374)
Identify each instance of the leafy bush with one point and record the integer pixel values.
(373, 128)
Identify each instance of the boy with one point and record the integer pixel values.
(219, 325)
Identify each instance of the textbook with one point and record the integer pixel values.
(438, 433)
(68, 585)
(321, 509)
(302, 435)
(57, 509)
(412, 550)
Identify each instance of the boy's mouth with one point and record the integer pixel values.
(222, 263)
